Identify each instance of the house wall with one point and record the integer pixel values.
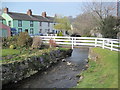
(4, 21)
(45, 27)
(4, 30)
(26, 25)
(7, 18)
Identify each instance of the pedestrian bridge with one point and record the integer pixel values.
(112, 44)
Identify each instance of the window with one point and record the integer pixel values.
(31, 23)
(19, 30)
(19, 23)
(48, 24)
(56, 32)
(40, 31)
(48, 30)
(53, 31)
(9, 23)
(2, 21)
(31, 31)
(40, 23)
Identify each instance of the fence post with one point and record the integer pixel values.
(103, 44)
(95, 42)
(111, 45)
(72, 42)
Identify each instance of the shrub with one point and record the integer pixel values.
(7, 41)
(24, 40)
(37, 42)
(60, 34)
(108, 28)
(12, 47)
(52, 43)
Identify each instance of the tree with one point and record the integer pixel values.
(101, 9)
(24, 40)
(83, 23)
(98, 11)
(108, 28)
(63, 24)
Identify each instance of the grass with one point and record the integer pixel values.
(102, 73)
(6, 52)
(15, 54)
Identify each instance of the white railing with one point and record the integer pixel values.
(112, 44)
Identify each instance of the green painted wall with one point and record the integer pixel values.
(7, 18)
(4, 21)
(26, 25)
(4, 33)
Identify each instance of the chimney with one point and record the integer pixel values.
(29, 12)
(6, 10)
(44, 14)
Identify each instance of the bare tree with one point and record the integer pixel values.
(84, 23)
(101, 9)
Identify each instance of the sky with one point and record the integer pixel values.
(71, 8)
(52, 8)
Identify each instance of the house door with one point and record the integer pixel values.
(26, 30)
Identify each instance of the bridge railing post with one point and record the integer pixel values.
(74, 40)
(111, 45)
(103, 45)
(72, 43)
(95, 42)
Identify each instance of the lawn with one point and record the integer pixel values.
(6, 52)
(12, 55)
(102, 73)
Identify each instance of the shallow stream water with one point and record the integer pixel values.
(60, 75)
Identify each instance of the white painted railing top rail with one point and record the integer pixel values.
(112, 44)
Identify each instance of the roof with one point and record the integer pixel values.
(1, 18)
(22, 16)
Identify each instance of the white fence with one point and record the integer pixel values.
(112, 44)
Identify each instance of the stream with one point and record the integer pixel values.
(61, 75)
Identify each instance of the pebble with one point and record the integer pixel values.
(63, 60)
(68, 63)
(45, 72)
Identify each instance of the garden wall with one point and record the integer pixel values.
(13, 72)
(92, 55)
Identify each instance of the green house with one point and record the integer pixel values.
(33, 24)
(2, 20)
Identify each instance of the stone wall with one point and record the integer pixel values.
(13, 72)
(92, 55)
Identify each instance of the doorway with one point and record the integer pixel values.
(26, 30)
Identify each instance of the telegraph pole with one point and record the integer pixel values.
(118, 8)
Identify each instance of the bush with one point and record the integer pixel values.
(108, 29)
(52, 43)
(12, 47)
(37, 43)
(24, 40)
(7, 41)
(60, 34)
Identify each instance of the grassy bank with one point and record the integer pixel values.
(12, 55)
(102, 73)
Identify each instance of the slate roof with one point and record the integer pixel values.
(22, 16)
(1, 18)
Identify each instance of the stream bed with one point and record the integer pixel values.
(61, 75)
